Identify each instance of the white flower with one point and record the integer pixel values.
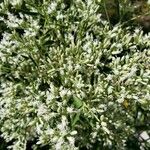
(63, 125)
(79, 84)
(71, 140)
(38, 128)
(13, 21)
(110, 103)
(120, 100)
(63, 92)
(50, 131)
(69, 93)
(52, 7)
(109, 77)
(94, 134)
(129, 75)
(110, 89)
(104, 124)
(59, 144)
(102, 106)
(87, 47)
(135, 97)
(64, 120)
(73, 132)
(50, 96)
(70, 67)
(89, 2)
(52, 88)
(42, 110)
(16, 2)
(106, 130)
(62, 72)
(144, 136)
(59, 16)
(34, 25)
(69, 109)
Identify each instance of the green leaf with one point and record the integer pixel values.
(77, 102)
(75, 119)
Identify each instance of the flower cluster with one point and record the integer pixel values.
(69, 81)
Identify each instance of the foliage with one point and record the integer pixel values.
(129, 12)
(69, 81)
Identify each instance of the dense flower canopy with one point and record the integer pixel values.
(68, 80)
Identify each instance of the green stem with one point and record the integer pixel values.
(106, 12)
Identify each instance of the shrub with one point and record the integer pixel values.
(68, 81)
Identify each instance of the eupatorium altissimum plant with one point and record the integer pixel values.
(68, 81)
